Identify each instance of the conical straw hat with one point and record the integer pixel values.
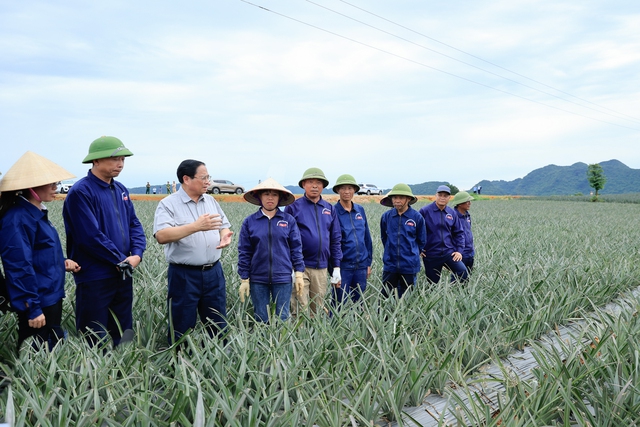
(32, 170)
(286, 198)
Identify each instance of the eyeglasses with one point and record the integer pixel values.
(203, 178)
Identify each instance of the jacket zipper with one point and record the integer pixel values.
(315, 210)
(270, 254)
(115, 204)
(355, 235)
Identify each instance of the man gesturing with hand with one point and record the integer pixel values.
(193, 229)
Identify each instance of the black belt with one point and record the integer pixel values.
(197, 267)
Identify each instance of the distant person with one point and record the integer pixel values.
(445, 238)
(269, 249)
(106, 238)
(193, 229)
(403, 235)
(154, 190)
(148, 188)
(168, 188)
(462, 203)
(475, 189)
(173, 187)
(30, 248)
(357, 248)
(479, 189)
(320, 234)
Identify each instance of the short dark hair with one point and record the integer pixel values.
(188, 167)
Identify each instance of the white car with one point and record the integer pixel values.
(63, 187)
(218, 186)
(369, 189)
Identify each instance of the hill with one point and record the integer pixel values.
(550, 180)
(554, 180)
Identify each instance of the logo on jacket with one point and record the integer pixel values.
(410, 223)
(124, 196)
(283, 224)
(326, 211)
(449, 217)
(358, 216)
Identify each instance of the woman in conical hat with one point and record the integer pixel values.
(30, 247)
(269, 249)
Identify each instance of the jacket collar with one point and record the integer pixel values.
(259, 214)
(341, 210)
(395, 211)
(319, 202)
(31, 209)
(95, 180)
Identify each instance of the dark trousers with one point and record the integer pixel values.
(104, 307)
(196, 292)
(468, 262)
(354, 283)
(433, 268)
(396, 282)
(50, 333)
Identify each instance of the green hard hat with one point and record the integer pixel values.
(345, 179)
(314, 173)
(106, 146)
(398, 190)
(461, 197)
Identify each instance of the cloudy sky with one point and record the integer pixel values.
(388, 91)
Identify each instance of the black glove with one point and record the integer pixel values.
(126, 269)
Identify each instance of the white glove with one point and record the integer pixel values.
(244, 289)
(299, 282)
(335, 278)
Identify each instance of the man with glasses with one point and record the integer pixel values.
(445, 239)
(106, 238)
(194, 229)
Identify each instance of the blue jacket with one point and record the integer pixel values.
(102, 227)
(357, 248)
(444, 232)
(403, 237)
(319, 232)
(269, 249)
(465, 221)
(32, 258)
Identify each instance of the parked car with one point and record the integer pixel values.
(218, 186)
(369, 189)
(63, 187)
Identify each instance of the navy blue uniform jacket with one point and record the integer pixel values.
(102, 228)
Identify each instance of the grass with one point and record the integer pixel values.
(538, 265)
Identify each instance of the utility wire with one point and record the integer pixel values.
(617, 115)
(433, 68)
(631, 118)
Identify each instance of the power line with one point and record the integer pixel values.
(617, 115)
(486, 61)
(430, 67)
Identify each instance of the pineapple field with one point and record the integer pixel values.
(539, 264)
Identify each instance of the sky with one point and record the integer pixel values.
(387, 91)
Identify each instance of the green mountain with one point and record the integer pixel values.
(550, 180)
(555, 180)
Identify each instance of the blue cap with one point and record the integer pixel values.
(443, 189)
